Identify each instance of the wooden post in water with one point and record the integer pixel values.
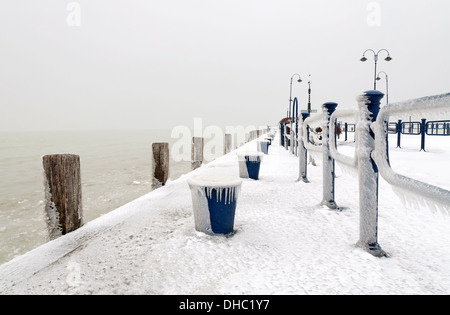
(62, 182)
(197, 152)
(228, 143)
(160, 164)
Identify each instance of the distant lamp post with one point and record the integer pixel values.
(290, 91)
(363, 59)
(387, 84)
(309, 95)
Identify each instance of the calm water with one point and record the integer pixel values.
(116, 167)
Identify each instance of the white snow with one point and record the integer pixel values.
(285, 243)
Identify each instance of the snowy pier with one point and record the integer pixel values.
(285, 242)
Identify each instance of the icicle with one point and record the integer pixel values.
(226, 187)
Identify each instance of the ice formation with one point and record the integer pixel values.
(54, 229)
(346, 160)
(430, 195)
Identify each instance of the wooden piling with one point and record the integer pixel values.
(62, 182)
(197, 152)
(228, 143)
(160, 163)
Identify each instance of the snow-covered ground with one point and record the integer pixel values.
(284, 242)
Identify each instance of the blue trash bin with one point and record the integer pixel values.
(263, 146)
(214, 200)
(249, 164)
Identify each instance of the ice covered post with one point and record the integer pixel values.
(294, 121)
(423, 132)
(62, 183)
(197, 152)
(328, 161)
(282, 134)
(303, 153)
(228, 143)
(398, 130)
(160, 164)
(369, 107)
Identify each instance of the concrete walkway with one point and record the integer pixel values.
(284, 244)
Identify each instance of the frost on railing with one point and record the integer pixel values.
(344, 159)
(407, 188)
(371, 157)
(310, 143)
(328, 163)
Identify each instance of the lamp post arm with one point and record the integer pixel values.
(290, 92)
(383, 50)
(374, 53)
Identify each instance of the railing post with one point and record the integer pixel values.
(423, 132)
(346, 127)
(398, 128)
(303, 153)
(286, 139)
(282, 134)
(328, 161)
(291, 142)
(294, 131)
(368, 174)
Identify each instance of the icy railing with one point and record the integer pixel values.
(306, 127)
(371, 157)
(432, 196)
(328, 164)
(342, 158)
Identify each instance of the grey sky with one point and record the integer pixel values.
(160, 63)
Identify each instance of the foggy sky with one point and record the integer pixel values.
(159, 63)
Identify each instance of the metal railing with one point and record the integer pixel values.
(439, 103)
(371, 156)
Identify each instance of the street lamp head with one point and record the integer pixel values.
(299, 80)
(363, 59)
(388, 58)
(378, 78)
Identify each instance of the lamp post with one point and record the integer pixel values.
(309, 95)
(387, 84)
(363, 59)
(290, 91)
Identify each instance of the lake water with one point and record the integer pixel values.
(116, 168)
